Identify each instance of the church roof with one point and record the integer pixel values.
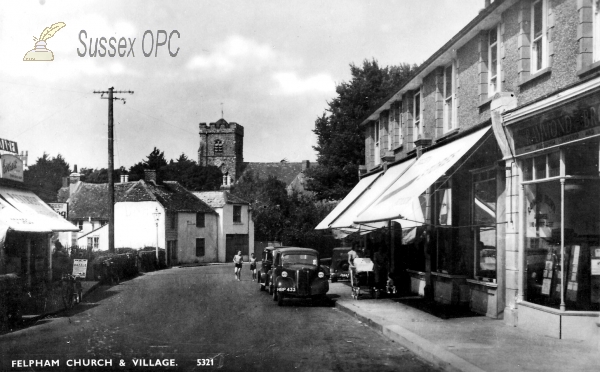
(284, 171)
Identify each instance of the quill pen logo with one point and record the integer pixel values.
(40, 52)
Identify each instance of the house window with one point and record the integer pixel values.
(200, 247)
(493, 66)
(539, 48)
(392, 125)
(80, 225)
(377, 141)
(218, 145)
(173, 221)
(399, 134)
(596, 29)
(237, 214)
(449, 97)
(93, 242)
(417, 116)
(484, 224)
(199, 219)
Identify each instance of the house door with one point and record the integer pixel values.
(235, 243)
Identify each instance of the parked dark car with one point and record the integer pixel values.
(296, 272)
(339, 264)
(265, 268)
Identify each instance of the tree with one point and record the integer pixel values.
(191, 175)
(44, 177)
(155, 160)
(340, 139)
(100, 175)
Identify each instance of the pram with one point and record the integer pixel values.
(362, 276)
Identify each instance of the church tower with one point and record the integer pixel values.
(222, 145)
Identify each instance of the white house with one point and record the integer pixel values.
(148, 214)
(235, 225)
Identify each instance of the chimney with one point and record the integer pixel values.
(305, 165)
(124, 178)
(150, 175)
(74, 179)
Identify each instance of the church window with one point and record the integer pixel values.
(218, 145)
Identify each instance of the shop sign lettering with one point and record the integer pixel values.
(11, 167)
(559, 126)
(8, 146)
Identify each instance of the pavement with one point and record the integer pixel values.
(464, 341)
(54, 302)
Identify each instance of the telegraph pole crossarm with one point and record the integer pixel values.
(111, 183)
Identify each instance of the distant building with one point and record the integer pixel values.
(222, 145)
(235, 225)
(187, 227)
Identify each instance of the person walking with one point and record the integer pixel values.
(253, 266)
(238, 259)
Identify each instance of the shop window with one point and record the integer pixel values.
(581, 159)
(200, 247)
(493, 61)
(417, 116)
(445, 259)
(565, 212)
(484, 224)
(237, 214)
(449, 97)
(200, 219)
(539, 47)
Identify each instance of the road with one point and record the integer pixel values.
(201, 315)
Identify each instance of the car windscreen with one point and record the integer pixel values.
(299, 259)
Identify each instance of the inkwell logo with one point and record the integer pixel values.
(40, 52)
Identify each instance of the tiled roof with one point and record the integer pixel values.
(217, 199)
(284, 171)
(91, 200)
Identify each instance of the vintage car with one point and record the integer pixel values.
(265, 268)
(339, 264)
(296, 273)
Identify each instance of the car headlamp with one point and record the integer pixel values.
(284, 274)
(321, 274)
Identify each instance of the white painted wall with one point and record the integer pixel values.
(187, 234)
(101, 233)
(227, 226)
(135, 226)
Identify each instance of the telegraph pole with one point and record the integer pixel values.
(111, 166)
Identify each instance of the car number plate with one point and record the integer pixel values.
(286, 289)
(343, 275)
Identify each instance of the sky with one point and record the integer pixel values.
(270, 66)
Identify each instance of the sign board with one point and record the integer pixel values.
(568, 123)
(11, 167)
(60, 208)
(80, 268)
(8, 146)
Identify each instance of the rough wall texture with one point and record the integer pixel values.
(231, 136)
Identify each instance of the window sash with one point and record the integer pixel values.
(200, 247)
(493, 66)
(538, 35)
(596, 30)
(417, 116)
(449, 97)
(237, 213)
(200, 219)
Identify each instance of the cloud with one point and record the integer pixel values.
(290, 83)
(235, 53)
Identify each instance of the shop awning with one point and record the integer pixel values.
(22, 210)
(374, 191)
(360, 187)
(401, 201)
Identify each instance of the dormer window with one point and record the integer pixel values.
(218, 145)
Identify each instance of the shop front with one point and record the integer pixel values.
(557, 144)
(450, 201)
(26, 228)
